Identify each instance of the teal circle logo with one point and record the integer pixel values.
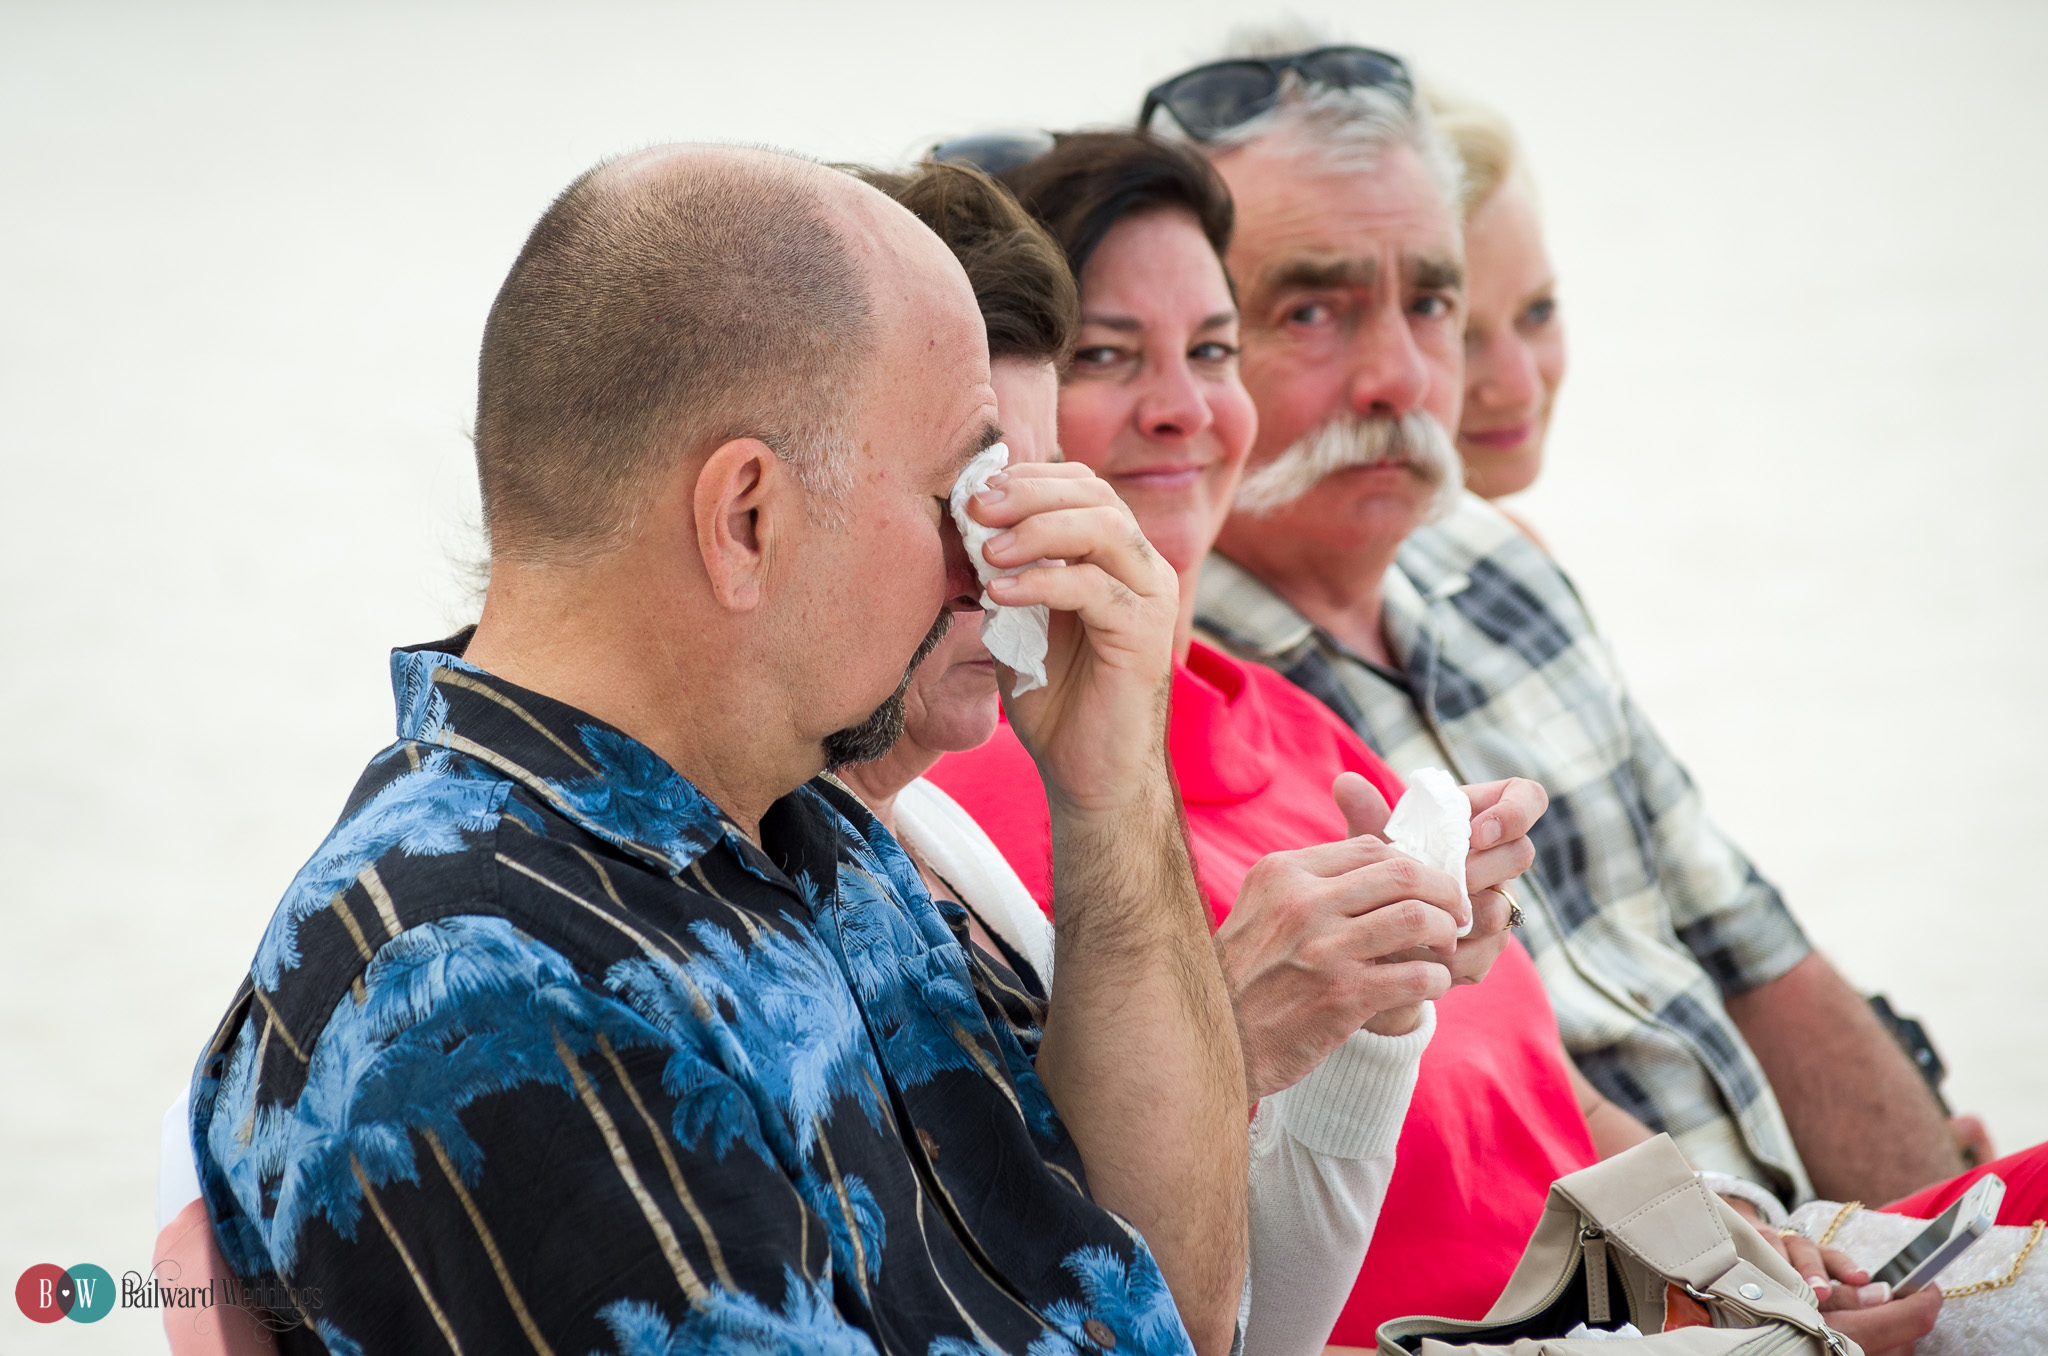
(92, 1293)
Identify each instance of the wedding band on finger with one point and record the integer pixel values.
(1791, 1233)
(1515, 919)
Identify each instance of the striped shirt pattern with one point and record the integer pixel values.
(1643, 917)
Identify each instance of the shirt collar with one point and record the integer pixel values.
(1402, 609)
(596, 775)
(1236, 604)
(1242, 609)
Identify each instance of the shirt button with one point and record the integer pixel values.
(1099, 1333)
(928, 1144)
(1642, 999)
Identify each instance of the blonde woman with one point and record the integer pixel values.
(1514, 334)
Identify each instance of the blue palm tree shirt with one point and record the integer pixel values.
(539, 1052)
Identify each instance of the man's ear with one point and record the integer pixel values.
(738, 485)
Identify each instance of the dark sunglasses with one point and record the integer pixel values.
(1210, 100)
(993, 153)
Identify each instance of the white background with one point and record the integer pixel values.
(245, 255)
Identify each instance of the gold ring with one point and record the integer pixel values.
(1515, 918)
(1791, 1233)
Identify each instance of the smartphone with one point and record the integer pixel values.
(1944, 1239)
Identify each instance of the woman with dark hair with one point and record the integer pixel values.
(1151, 401)
(1324, 1145)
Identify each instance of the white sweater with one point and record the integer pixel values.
(1322, 1151)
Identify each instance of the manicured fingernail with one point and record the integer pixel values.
(989, 496)
(1002, 541)
(1487, 834)
(1819, 1283)
(1877, 1292)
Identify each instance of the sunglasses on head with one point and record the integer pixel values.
(993, 153)
(1210, 100)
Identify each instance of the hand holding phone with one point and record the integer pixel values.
(1946, 1237)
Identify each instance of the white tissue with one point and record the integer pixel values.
(1433, 824)
(1015, 636)
(1583, 1333)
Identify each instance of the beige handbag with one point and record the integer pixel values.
(1638, 1240)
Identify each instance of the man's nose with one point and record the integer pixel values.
(963, 585)
(1388, 375)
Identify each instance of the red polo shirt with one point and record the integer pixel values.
(1493, 1121)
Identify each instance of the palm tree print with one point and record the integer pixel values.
(471, 1113)
(638, 801)
(805, 1325)
(1133, 1301)
(428, 813)
(775, 1015)
(449, 1017)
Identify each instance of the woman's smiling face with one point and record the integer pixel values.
(1152, 402)
(1514, 344)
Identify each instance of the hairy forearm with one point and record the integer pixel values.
(1140, 1052)
(1860, 1113)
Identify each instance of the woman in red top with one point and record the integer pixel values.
(1152, 403)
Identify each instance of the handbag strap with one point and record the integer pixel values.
(1647, 1201)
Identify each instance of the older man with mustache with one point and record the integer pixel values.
(1357, 565)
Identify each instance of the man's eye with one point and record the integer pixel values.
(1309, 313)
(1432, 308)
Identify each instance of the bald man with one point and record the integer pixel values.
(606, 1019)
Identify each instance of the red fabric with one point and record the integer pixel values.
(1254, 756)
(2026, 1189)
(1493, 1121)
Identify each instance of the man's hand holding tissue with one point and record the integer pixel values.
(1141, 1019)
(1324, 940)
(1098, 727)
(1500, 851)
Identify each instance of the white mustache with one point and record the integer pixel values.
(1415, 440)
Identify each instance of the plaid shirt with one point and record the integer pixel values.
(1642, 917)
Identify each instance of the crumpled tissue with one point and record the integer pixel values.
(1015, 636)
(1433, 824)
(1582, 1333)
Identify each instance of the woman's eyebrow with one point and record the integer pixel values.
(1218, 321)
(1122, 324)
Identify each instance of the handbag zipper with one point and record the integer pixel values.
(1593, 1251)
